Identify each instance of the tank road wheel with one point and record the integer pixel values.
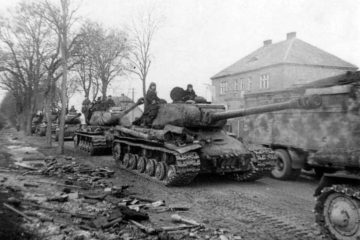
(126, 160)
(133, 161)
(141, 164)
(150, 167)
(338, 213)
(160, 171)
(117, 152)
(283, 169)
(171, 173)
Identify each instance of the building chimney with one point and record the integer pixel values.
(267, 42)
(290, 35)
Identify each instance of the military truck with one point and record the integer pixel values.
(296, 135)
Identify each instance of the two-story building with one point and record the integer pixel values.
(274, 67)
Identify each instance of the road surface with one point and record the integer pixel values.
(265, 209)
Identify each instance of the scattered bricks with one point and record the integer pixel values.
(83, 215)
(31, 185)
(99, 197)
(73, 196)
(100, 221)
(178, 218)
(14, 201)
(113, 222)
(132, 214)
(158, 203)
(60, 198)
(115, 214)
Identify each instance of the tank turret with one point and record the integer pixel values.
(97, 136)
(113, 116)
(208, 115)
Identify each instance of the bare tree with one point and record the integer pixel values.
(143, 30)
(24, 40)
(109, 50)
(54, 61)
(62, 18)
(85, 71)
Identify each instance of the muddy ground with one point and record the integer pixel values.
(265, 209)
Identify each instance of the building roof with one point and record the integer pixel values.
(290, 51)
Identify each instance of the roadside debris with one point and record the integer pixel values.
(63, 198)
(18, 212)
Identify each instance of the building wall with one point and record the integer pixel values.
(249, 82)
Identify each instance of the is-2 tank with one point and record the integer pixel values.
(97, 135)
(187, 139)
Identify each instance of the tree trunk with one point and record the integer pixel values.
(64, 5)
(28, 113)
(104, 89)
(48, 119)
(144, 90)
(28, 121)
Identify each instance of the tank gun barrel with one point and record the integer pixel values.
(139, 102)
(307, 102)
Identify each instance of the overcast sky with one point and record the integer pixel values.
(198, 38)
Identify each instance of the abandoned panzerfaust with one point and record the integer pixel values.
(98, 135)
(187, 139)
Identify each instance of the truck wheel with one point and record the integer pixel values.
(283, 169)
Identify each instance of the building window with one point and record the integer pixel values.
(264, 81)
(242, 84)
(236, 85)
(249, 83)
(222, 87)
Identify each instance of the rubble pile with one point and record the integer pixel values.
(108, 213)
(85, 175)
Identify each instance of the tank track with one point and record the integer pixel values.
(187, 166)
(261, 165)
(90, 144)
(347, 190)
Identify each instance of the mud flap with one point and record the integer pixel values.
(297, 159)
(340, 177)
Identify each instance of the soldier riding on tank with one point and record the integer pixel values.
(151, 107)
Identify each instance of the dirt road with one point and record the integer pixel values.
(265, 209)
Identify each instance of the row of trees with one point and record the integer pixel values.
(42, 42)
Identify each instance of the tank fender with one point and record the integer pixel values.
(340, 177)
(297, 159)
(184, 149)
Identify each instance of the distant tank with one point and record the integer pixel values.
(98, 134)
(187, 139)
(39, 124)
(72, 122)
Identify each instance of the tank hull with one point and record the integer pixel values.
(93, 140)
(216, 153)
